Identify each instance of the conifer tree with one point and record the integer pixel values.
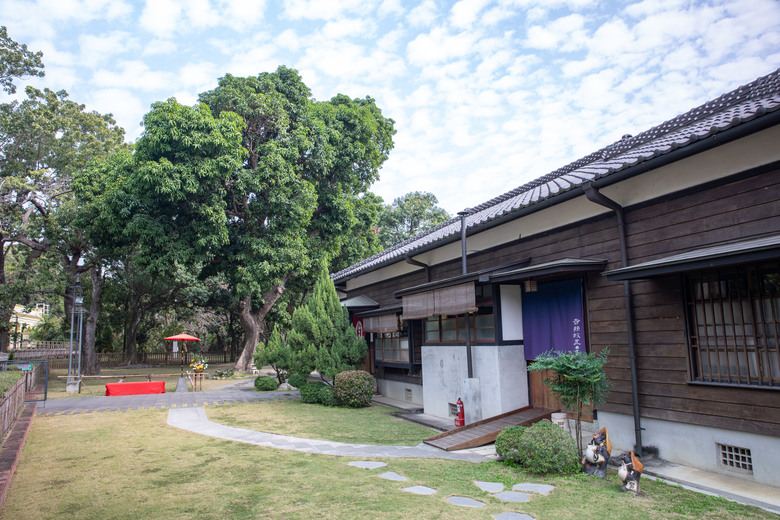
(322, 337)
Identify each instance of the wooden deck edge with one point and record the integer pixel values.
(545, 413)
(478, 423)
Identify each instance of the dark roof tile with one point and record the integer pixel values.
(734, 108)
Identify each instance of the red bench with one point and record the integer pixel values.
(134, 388)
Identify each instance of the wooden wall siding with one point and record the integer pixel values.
(734, 210)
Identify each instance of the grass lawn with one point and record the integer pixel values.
(369, 425)
(132, 465)
(97, 386)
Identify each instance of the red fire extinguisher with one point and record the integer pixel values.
(460, 419)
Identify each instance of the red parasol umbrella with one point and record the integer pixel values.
(182, 337)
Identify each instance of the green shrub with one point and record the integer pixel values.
(297, 380)
(508, 441)
(310, 392)
(547, 448)
(8, 380)
(265, 384)
(327, 397)
(354, 388)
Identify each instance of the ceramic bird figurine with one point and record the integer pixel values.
(597, 454)
(630, 472)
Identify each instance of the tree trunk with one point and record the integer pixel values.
(131, 328)
(90, 363)
(253, 323)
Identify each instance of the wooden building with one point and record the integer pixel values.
(663, 247)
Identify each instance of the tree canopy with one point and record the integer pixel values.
(297, 200)
(408, 216)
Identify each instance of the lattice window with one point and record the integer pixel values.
(734, 457)
(734, 325)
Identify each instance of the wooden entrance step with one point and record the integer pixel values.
(485, 431)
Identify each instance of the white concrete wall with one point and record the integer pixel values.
(398, 390)
(501, 370)
(697, 445)
(511, 312)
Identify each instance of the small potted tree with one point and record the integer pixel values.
(577, 380)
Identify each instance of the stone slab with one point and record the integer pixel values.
(512, 496)
(490, 487)
(527, 487)
(465, 502)
(420, 490)
(367, 464)
(513, 516)
(392, 475)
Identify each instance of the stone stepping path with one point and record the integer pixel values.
(519, 492)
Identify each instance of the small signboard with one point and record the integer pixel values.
(25, 366)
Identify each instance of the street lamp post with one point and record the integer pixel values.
(78, 299)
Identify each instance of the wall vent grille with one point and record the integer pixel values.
(453, 409)
(734, 457)
(408, 394)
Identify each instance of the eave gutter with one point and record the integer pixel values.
(597, 197)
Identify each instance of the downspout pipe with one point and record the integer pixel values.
(597, 197)
(464, 270)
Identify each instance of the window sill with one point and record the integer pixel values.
(735, 385)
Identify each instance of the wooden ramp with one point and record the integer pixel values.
(485, 431)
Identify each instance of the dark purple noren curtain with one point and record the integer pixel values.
(553, 318)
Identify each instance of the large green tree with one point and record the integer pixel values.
(293, 204)
(409, 216)
(159, 214)
(16, 61)
(45, 140)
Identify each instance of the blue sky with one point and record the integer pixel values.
(486, 95)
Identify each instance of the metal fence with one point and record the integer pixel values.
(32, 386)
(115, 359)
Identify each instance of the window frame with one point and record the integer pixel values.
(734, 308)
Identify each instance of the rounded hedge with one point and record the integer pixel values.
(310, 392)
(297, 380)
(265, 384)
(354, 388)
(508, 442)
(547, 448)
(327, 397)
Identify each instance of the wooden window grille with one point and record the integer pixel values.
(391, 347)
(452, 329)
(734, 325)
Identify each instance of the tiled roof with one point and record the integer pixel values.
(739, 106)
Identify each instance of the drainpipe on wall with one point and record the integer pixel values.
(464, 270)
(597, 197)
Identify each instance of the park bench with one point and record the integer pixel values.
(139, 387)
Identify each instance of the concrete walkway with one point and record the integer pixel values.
(195, 420)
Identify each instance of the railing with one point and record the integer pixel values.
(115, 359)
(12, 402)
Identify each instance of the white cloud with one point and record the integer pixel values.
(126, 107)
(439, 46)
(348, 27)
(464, 13)
(323, 9)
(133, 74)
(565, 33)
(424, 14)
(159, 47)
(161, 17)
(96, 49)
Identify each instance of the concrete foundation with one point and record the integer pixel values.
(401, 391)
(698, 446)
(499, 384)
